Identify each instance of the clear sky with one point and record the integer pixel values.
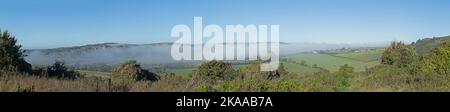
(57, 23)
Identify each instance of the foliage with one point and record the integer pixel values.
(11, 54)
(129, 72)
(255, 68)
(425, 46)
(398, 54)
(204, 88)
(439, 59)
(342, 77)
(215, 70)
(59, 70)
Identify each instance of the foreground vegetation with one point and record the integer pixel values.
(400, 67)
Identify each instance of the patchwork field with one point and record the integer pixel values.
(296, 68)
(365, 56)
(358, 60)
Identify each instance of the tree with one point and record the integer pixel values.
(215, 70)
(59, 70)
(11, 54)
(399, 54)
(342, 77)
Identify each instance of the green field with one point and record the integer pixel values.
(181, 71)
(358, 60)
(94, 73)
(296, 68)
(365, 56)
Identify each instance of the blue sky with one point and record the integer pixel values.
(57, 23)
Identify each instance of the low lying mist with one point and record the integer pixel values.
(113, 53)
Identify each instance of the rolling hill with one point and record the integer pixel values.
(423, 46)
(157, 54)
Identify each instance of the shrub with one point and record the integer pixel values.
(289, 83)
(204, 88)
(215, 70)
(343, 76)
(129, 72)
(439, 58)
(59, 70)
(170, 82)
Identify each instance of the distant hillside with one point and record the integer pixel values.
(423, 46)
(155, 53)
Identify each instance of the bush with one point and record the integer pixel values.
(439, 59)
(288, 84)
(204, 88)
(59, 70)
(250, 83)
(343, 77)
(170, 82)
(129, 72)
(215, 70)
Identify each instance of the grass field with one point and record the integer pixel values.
(365, 56)
(358, 60)
(94, 73)
(296, 68)
(181, 71)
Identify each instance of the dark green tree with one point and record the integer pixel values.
(215, 70)
(11, 54)
(59, 70)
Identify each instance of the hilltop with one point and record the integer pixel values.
(423, 46)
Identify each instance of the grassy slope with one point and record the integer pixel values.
(181, 71)
(423, 46)
(365, 56)
(296, 68)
